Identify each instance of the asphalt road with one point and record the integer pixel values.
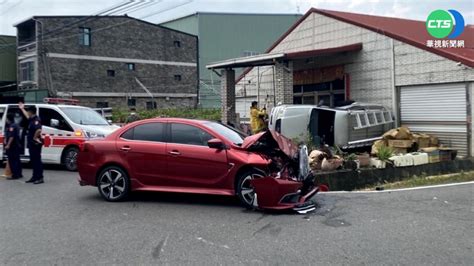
(60, 222)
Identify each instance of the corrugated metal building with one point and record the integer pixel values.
(7, 63)
(329, 56)
(227, 35)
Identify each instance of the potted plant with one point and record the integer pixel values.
(383, 155)
(351, 162)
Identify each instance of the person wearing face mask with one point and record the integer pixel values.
(12, 148)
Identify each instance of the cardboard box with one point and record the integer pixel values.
(399, 150)
(423, 140)
(376, 146)
(399, 143)
(433, 158)
(400, 133)
(433, 154)
(434, 141)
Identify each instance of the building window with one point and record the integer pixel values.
(132, 102)
(102, 104)
(131, 66)
(110, 73)
(177, 44)
(150, 105)
(177, 77)
(27, 71)
(85, 36)
(249, 53)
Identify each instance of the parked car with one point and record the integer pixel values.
(352, 126)
(195, 156)
(65, 128)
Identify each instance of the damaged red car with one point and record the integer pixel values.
(264, 171)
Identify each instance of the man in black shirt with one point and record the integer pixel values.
(12, 147)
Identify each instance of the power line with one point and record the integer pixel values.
(121, 23)
(117, 24)
(60, 29)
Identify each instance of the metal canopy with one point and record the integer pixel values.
(248, 61)
(269, 59)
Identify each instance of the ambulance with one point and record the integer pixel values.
(65, 127)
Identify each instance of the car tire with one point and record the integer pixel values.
(243, 188)
(70, 159)
(113, 184)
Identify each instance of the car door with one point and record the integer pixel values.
(57, 129)
(144, 149)
(191, 163)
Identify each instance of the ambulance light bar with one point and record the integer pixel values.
(61, 101)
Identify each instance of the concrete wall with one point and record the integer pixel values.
(414, 66)
(116, 41)
(7, 59)
(121, 102)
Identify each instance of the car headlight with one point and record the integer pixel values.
(93, 135)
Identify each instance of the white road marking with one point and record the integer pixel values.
(399, 190)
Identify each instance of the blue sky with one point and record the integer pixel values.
(13, 11)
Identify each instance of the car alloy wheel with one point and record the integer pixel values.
(70, 159)
(113, 184)
(245, 190)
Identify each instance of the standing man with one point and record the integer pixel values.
(257, 118)
(34, 143)
(12, 147)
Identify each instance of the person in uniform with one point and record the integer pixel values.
(12, 147)
(34, 143)
(257, 118)
(7, 173)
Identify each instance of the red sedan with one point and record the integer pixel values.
(194, 156)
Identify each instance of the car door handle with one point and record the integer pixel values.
(125, 148)
(175, 153)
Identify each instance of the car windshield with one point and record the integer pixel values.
(227, 132)
(84, 116)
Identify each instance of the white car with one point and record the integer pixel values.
(65, 129)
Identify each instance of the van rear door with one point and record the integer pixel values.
(321, 126)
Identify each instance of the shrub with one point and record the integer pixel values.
(384, 153)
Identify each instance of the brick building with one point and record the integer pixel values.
(328, 57)
(107, 61)
(7, 63)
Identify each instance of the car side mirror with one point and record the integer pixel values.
(54, 123)
(109, 121)
(216, 144)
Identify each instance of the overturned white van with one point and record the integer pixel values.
(352, 126)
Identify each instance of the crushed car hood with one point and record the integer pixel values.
(287, 146)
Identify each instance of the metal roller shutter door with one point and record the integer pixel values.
(439, 110)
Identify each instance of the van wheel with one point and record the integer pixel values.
(70, 158)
